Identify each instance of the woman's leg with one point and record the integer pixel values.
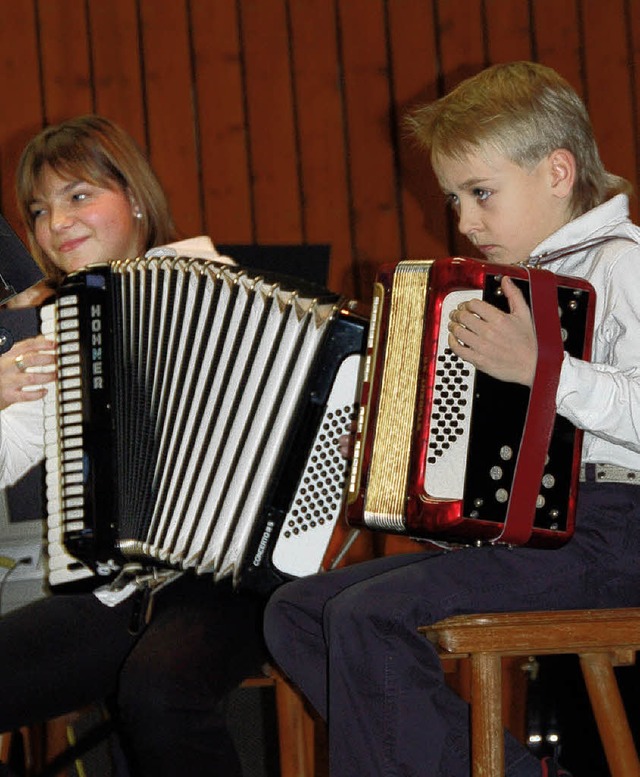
(59, 654)
(203, 640)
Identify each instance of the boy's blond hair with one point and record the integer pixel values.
(92, 148)
(524, 111)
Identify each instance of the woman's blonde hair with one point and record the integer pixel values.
(524, 111)
(94, 149)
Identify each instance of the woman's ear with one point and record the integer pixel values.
(562, 168)
(136, 210)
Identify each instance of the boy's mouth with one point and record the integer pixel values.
(487, 250)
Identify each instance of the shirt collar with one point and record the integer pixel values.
(605, 222)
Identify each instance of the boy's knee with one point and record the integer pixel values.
(276, 633)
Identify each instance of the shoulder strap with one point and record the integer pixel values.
(541, 411)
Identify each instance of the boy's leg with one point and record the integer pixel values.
(388, 704)
(294, 629)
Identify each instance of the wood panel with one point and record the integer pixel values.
(321, 119)
(66, 68)
(280, 121)
(633, 22)
(170, 112)
(117, 66)
(222, 122)
(508, 32)
(610, 87)
(555, 32)
(461, 46)
(20, 96)
(415, 69)
(272, 122)
(374, 206)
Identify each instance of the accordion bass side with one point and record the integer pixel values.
(444, 451)
(195, 421)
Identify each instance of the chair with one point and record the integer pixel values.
(50, 742)
(601, 638)
(30, 750)
(296, 727)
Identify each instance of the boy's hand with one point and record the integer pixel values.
(498, 343)
(347, 441)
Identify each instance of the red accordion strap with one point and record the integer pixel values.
(541, 412)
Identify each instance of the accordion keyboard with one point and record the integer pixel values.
(63, 447)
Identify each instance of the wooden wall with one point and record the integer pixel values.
(277, 121)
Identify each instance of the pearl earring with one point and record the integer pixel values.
(137, 213)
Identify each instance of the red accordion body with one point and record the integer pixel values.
(444, 451)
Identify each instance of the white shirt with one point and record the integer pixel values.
(22, 424)
(603, 396)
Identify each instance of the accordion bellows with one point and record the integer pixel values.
(192, 400)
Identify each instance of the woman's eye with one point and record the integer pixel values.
(79, 196)
(36, 212)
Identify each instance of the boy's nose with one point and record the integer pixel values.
(468, 221)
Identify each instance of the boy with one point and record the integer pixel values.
(514, 153)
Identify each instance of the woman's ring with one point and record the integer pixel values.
(19, 360)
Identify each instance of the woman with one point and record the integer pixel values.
(87, 195)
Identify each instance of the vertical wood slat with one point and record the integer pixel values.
(556, 35)
(272, 122)
(634, 67)
(228, 213)
(415, 81)
(610, 87)
(66, 68)
(462, 51)
(321, 125)
(116, 64)
(374, 207)
(20, 96)
(508, 30)
(170, 114)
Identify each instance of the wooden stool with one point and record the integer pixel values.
(296, 732)
(601, 638)
(296, 728)
(30, 747)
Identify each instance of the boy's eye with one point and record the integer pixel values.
(481, 194)
(453, 201)
(79, 196)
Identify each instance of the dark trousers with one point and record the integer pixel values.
(349, 638)
(165, 684)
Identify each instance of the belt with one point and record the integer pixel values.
(608, 473)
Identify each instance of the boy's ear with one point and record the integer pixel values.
(562, 169)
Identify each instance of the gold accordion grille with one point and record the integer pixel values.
(390, 457)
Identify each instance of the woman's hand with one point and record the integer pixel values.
(501, 344)
(24, 370)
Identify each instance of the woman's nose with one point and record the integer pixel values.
(59, 217)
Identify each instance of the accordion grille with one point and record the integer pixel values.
(390, 458)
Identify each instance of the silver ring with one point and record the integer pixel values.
(19, 360)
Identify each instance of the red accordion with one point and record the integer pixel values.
(446, 452)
